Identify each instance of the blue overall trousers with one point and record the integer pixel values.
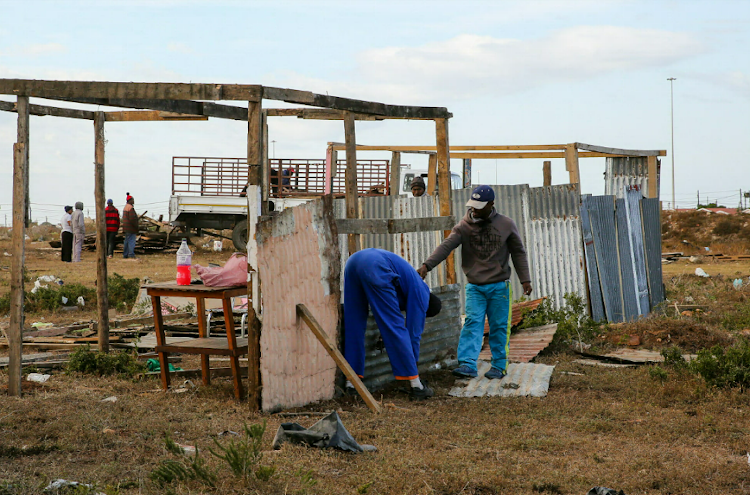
(386, 284)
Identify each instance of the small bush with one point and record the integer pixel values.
(122, 292)
(572, 321)
(245, 454)
(182, 469)
(84, 360)
(728, 226)
(725, 368)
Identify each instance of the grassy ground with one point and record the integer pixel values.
(630, 429)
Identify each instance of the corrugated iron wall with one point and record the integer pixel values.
(553, 242)
(651, 216)
(298, 263)
(416, 247)
(627, 171)
(439, 340)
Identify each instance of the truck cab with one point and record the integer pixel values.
(408, 174)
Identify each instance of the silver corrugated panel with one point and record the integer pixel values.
(635, 231)
(626, 171)
(416, 247)
(522, 380)
(602, 215)
(627, 265)
(439, 340)
(595, 288)
(651, 217)
(553, 242)
(339, 211)
(509, 201)
(376, 207)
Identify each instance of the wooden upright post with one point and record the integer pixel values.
(352, 195)
(444, 186)
(653, 178)
(22, 107)
(256, 175)
(102, 300)
(571, 163)
(265, 167)
(432, 173)
(16, 272)
(547, 171)
(395, 173)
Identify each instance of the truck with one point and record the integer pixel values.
(210, 192)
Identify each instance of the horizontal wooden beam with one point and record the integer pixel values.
(149, 115)
(317, 114)
(620, 152)
(407, 149)
(496, 156)
(129, 90)
(215, 110)
(356, 106)
(42, 111)
(393, 225)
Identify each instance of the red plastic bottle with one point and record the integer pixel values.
(184, 261)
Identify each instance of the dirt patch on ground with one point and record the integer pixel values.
(692, 231)
(658, 333)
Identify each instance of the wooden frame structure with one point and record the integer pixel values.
(571, 152)
(178, 101)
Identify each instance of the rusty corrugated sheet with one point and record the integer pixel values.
(439, 340)
(522, 380)
(517, 312)
(554, 242)
(524, 345)
(298, 262)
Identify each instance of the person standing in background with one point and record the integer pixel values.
(129, 227)
(112, 217)
(79, 231)
(66, 235)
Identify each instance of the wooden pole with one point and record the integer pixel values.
(571, 163)
(102, 298)
(444, 186)
(653, 178)
(16, 272)
(23, 109)
(547, 171)
(467, 172)
(256, 176)
(337, 357)
(432, 173)
(265, 170)
(395, 173)
(352, 195)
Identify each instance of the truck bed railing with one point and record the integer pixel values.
(289, 177)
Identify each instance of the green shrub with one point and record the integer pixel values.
(182, 469)
(728, 226)
(84, 360)
(725, 368)
(572, 321)
(245, 454)
(122, 292)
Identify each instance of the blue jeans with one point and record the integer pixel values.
(493, 301)
(128, 247)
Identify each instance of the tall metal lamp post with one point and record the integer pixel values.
(671, 108)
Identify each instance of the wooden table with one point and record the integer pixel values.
(205, 346)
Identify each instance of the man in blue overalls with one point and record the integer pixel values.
(387, 284)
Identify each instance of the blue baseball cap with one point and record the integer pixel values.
(480, 196)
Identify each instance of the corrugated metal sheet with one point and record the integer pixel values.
(509, 201)
(633, 198)
(626, 171)
(522, 380)
(524, 345)
(439, 340)
(553, 241)
(651, 218)
(595, 288)
(602, 217)
(376, 207)
(297, 263)
(627, 268)
(416, 247)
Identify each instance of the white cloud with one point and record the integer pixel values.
(468, 66)
(35, 50)
(180, 48)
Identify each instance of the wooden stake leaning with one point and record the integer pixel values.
(341, 362)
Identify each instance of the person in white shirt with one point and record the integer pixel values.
(79, 231)
(66, 235)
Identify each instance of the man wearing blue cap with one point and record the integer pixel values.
(489, 239)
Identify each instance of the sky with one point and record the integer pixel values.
(511, 72)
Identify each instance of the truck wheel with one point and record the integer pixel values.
(239, 236)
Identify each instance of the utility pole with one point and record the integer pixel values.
(671, 107)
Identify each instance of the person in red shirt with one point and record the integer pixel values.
(112, 217)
